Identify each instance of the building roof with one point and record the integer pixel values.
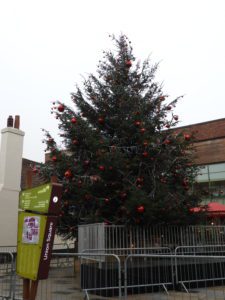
(204, 131)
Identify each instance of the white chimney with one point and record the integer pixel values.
(11, 156)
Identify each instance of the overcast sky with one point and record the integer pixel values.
(46, 45)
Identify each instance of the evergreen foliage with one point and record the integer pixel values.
(121, 162)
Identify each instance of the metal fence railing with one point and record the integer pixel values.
(102, 236)
(7, 275)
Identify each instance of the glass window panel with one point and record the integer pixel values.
(217, 168)
(217, 191)
(202, 178)
(204, 191)
(217, 176)
(203, 170)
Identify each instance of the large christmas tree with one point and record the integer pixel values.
(121, 162)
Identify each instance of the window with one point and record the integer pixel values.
(211, 183)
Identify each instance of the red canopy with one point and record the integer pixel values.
(212, 209)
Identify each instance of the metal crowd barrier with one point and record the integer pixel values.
(128, 251)
(7, 274)
(207, 265)
(99, 278)
(144, 272)
(62, 262)
(12, 249)
(157, 274)
(122, 253)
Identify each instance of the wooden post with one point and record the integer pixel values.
(26, 289)
(33, 289)
(54, 179)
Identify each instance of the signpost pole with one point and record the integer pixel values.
(26, 289)
(33, 289)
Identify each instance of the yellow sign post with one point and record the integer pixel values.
(36, 230)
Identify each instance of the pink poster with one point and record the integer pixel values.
(31, 230)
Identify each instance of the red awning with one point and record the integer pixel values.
(212, 209)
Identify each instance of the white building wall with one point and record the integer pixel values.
(10, 177)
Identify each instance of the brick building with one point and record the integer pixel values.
(27, 172)
(210, 155)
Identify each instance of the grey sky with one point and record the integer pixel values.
(46, 45)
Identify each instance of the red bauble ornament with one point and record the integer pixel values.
(101, 120)
(166, 142)
(106, 200)
(74, 120)
(95, 178)
(175, 117)
(61, 108)
(140, 180)
(54, 158)
(187, 137)
(128, 63)
(123, 195)
(75, 142)
(163, 180)
(137, 123)
(167, 125)
(87, 197)
(162, 98)
(145, 143)
(50, 140)
(185, 182)
(68, 174)
(87, 163)
(142, 130)
(140, 209)
(145, 154)
(169, 107)
(101, 168)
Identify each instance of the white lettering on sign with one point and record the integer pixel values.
(44, 189)
(55, 199)
(48, 240)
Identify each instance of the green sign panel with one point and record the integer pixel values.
(34, 245)
(42, 199)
